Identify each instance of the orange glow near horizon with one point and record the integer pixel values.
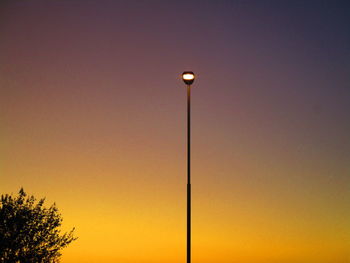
(93, 117)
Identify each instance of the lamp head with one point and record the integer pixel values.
(188, 77)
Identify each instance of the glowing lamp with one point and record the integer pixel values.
(188, 77)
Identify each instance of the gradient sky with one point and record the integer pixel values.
(93, 115)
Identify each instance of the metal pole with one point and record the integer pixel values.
(189, 174)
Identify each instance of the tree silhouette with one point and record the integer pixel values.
(29, 232)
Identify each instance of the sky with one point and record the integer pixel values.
(93, 117)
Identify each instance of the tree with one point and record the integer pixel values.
(29, 232)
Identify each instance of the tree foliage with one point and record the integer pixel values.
(29, 232)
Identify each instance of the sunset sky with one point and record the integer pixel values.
(93, 117)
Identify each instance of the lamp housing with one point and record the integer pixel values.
(188, 77)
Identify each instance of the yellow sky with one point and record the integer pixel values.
(93, 117)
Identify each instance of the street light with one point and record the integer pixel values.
(188, 78)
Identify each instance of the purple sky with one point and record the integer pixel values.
(91, 102)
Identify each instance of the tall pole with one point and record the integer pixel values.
(188, 77)
(188, 173)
